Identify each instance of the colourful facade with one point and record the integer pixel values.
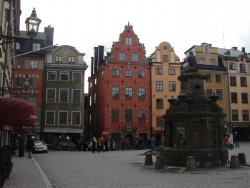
(208, 63)
(165, 69)
(119, 90)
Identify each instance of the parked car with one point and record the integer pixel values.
(65, 146)
(40, 147)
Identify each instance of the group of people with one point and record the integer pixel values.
(100, 144)
(232, 141)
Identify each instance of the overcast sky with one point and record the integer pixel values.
(85, 24)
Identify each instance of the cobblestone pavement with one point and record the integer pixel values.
(24, 174)
(124, 169)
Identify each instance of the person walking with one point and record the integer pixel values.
(30, 145)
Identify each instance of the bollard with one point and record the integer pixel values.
(234, 163)
(148, 159)
(159, 162)
(242, 158)
(190, 163)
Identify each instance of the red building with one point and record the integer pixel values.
(119, 89)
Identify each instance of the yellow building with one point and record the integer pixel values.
(165, 69)
(208, 63)
(238, 73)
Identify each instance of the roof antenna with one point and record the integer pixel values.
(223, 38)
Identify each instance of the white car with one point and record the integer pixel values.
(40, 146)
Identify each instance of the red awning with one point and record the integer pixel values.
(17, 112)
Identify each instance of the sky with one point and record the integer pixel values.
(85, 24)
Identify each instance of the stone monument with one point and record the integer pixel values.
(194, 124)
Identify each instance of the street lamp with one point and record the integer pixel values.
(32, 24)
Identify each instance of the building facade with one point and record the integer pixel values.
(165, 69)
(63, 99)
(237, 64)
(119, 89)
(28, 69)
(209, 64)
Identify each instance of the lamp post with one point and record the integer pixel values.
(32, 26)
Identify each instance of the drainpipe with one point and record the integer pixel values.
(229, 98)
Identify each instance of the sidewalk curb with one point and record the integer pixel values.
(45, 178)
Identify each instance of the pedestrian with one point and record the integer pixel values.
(93, 144)
(236, 140)
(30, 145)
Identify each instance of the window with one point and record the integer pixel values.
(245, 115)
(64, 95)
(26, 81)
(218, 78)
(18, 46)
(244, 98)
(165, 58)
(141, 115)
(128, 41)
(159, 121)
(141, 74)
(209, 92)
(76, 96)
(76, 118)
(141, 93)
(63, 118)
(209, 78)
(233, 81)
(19, 82)
(135, 57)
(171, 71)
(159, 85)
(50, 118)
(219, 93)
(36, 46)
(58, 59)
(231, 66)
(115, 114)
(242, 67)
(202, 61)
(115, 72)
(32, 82)
(51, 76)
(32, 99)
(71, 59)
(50, 95)
(128, 73)
(122, 56)
(235, 116)
(34, 64)
(128, 114)
(76, 76)
(206, 49)
(234, 98)
(115, 92)
(64, 76)
(128, 93)
(172, 86)
(212, 62)
(159, 71)
(243, 81)
(159, 103)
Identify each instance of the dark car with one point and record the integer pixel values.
(65, 146)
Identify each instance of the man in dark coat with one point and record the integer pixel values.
(30, 145)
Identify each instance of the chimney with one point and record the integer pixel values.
(234, 48)
(243, 49)
(49, 33)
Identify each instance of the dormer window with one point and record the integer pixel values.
(71, 59)
(58, 59)
(128, 41)
(36, 46)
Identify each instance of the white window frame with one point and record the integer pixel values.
(76, 73)
(47, 94)
(58, 118)
(72, 117)
(61, 74)
(48, 75)
(46, 117)
(73, 96)
(60, 89)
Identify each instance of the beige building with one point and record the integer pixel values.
(165, 69)
(237, 64)
(208, 63)
(9, 26)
